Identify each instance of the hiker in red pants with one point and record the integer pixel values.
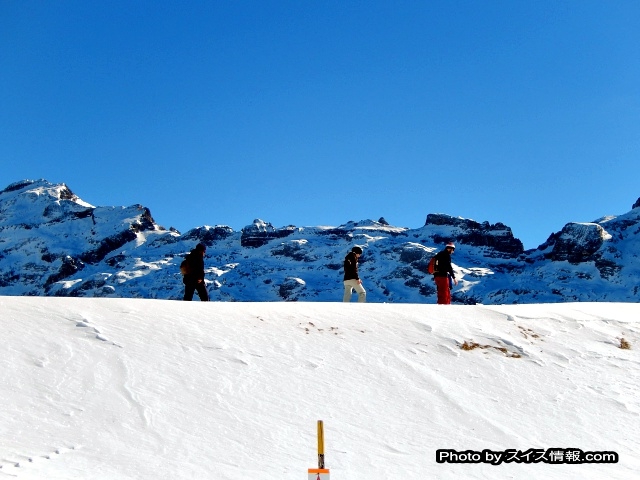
(443, 270)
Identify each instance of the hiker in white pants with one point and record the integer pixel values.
(350, 286)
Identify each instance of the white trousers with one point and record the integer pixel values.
(350, 286)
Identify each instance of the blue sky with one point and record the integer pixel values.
(320, 112)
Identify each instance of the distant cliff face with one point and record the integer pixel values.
(498, 237)
(260, 233)
(578, 242)
(54, 243)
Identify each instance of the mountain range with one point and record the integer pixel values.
(53, 243)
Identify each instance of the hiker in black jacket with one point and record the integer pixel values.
(351, 279)
(444, 270)
(194, 278)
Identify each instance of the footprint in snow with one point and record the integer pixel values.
(29, 459)
(86, 325)
(99, 336)
(423, 327)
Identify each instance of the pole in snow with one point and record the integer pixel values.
(319, 473)
(320, 444)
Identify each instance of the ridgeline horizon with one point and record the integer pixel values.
(55, 244)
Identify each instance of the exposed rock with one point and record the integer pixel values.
(18, 186)
(108, 245)
(260, 233)
(497, 237)
(291, 288)
(208, 235)
(578, 242)
(296, 250)
(417, 255)
(69, 266)
(117, 261)
(145, 221)
(351, 228)
(607, 268)
(412, 252)
(66, 194)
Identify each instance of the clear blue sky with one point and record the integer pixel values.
(320, 112)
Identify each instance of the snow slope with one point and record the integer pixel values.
(96, 388)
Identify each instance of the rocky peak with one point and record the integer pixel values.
(29, 203)
(208, 235)
(498, 237)
(41, 187)
(260, 233)
(578, 242)
(13, 187)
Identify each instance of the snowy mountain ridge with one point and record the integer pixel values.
(53, 243)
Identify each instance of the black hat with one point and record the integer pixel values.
(357, 250)
(201, 247)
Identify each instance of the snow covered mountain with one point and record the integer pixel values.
(52, 243)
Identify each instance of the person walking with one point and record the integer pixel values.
(194, 278)
(351, 279)
(443, 274)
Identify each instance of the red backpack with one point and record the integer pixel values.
(432, 266)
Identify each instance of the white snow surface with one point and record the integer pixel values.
(156, 389)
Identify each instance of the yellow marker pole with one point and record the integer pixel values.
(320, 444)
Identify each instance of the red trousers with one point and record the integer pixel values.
(444, 293)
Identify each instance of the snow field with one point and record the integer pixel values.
(148, 389)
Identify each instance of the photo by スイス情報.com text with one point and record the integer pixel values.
(533, 455)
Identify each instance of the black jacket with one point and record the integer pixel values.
(443, 264)
(196, 267)
(351, 267)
